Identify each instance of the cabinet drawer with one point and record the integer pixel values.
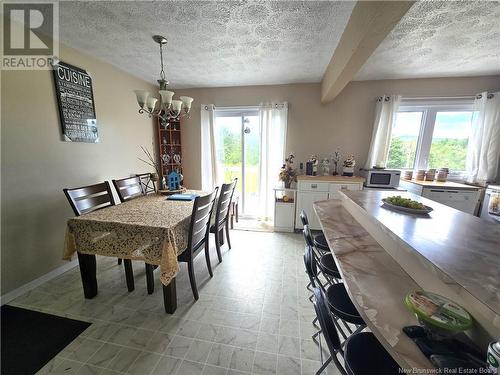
(313, 186)
(336, 187)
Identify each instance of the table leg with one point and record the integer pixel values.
(88, 273)
(170, 297)
(129, 274)
(150, 281)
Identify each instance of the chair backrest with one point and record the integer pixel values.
(326, 322)
(90, 198)
(148, 185)
(128, 188)
(310, 265)
(303, 218)
(225, 196)
(308, 236)
(199, 228)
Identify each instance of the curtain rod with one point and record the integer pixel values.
(471, 97)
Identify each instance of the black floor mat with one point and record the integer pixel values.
(30, 339)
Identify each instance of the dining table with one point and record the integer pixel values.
(149, 228)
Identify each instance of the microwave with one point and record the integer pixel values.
(381, 177)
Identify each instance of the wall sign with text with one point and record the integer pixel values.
(76, 103)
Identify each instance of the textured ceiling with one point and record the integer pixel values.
(440, 39)
(211, 43)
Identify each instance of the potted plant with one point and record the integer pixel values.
(288, 174)
(349, 164)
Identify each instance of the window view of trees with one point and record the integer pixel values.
(450, 140)
(228, 144)
(404, 140)
(402, 153)
(448, 148)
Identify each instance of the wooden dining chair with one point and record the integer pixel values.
(221, 222)
(199, 236)
(128, 188)
(91, 198)
(148, 185)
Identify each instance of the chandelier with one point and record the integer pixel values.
(168, 109)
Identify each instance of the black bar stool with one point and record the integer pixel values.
(339, 301)
(320, 239)
(326, 263)
(362, 353)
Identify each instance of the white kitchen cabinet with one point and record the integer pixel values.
(305, 202)
(310, 191)
(284, 209)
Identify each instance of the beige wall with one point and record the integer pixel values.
(37, 165)
(314, 128)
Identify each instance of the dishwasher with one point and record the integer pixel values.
(460, 199)
(490, 209)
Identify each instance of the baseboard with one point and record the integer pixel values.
(6, 298)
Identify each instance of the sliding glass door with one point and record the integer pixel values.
(237, 142)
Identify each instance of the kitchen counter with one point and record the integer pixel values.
(331, 178)
(376, 283)
(443, 185)
(384, 254)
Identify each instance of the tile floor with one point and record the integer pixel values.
(253, 316)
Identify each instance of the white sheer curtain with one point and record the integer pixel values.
(209, 167)
(385, 115)
(483, 152)
(273, 127)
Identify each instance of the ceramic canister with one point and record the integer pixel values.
(494, 357)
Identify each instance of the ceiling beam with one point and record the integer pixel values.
(369, 24)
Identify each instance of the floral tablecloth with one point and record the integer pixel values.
(149, 228)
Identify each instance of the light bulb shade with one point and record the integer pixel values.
(151, 103)
(176, 106)
(142, 97)
(166, 97)
(186, 100)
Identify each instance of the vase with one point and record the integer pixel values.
(348, 171)
(288, 184)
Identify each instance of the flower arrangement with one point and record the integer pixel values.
(349, 164)
(288, 173)
(153, 163)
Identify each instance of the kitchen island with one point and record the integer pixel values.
(383, 254)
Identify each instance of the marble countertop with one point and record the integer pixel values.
(447, 252)
(376, 283)
(355, 179)
(444, 185)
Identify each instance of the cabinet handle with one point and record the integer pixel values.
(343, 187)
(314, 186)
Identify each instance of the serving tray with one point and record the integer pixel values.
(408, 210)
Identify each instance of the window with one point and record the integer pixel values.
(431, 135)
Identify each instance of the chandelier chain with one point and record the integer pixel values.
(162, 72)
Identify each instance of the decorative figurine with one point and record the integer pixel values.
(312, 166)
(177, 158)
(325, 166)
(174, 182)
(288, 174)
(336, 160)
(349, 164)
